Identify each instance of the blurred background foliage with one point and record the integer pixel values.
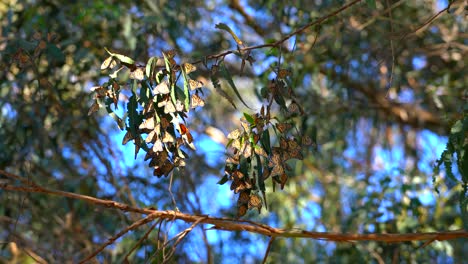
(380, 92)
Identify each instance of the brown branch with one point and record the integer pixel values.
(282, 40)
(428, 21)
(229, 224)
(181, 236)
(234, 4)
(111, 240)
(409, 114)
(268, 250)
(140, 241)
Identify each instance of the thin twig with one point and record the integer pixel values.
(141, 240)
(181, 236)
(282, 40)
(390, 81)
(268, 249)
(170, 191)
(16, 177)
(111, 240)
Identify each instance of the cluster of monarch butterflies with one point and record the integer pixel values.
(253, 159)
(157, 109)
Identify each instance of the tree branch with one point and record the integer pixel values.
(285, 38)
(249, 20)
(230, 224)
(111, 240)
(409, 114)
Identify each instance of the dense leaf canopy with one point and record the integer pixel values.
(323, 115)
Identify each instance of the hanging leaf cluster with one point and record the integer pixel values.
(157, 109)
(254, 158)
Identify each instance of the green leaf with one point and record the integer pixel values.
(228, 78)
(260, 180)
(107, 104)
(223, 180)
(122, 58)
(457, 127)
(371, 4)
(117, 119)
(220, 91)
(265, 141)
(149, 66)
(186, 91)
(167, 63)
(54, 53)
(133, 117)
(249, 118)
(229, 30)
(145, 94)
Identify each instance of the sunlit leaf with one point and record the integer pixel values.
(229, 30)
(249, 118)
(122, 58)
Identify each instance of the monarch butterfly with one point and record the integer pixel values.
(292, 144)
(283, 127)
(137, 74)
(277, 170)
(237, 175)
(94, 107)
(179, 162)
(151, 137)
(232, 160)
(244, 198)
(150, 154)
(158, 146)
(158, 159)
(169, 107)
(195, 84)
(283, 73)
(189, 68)
(165, 169)
(255, 201)
(306, 140)
(161, 88)
(167, 137)
(110, 62)
(197, 101)
(275, 159)
(170, 53)
(283, 179)
(184, 131)
(283, 143)
(242, 210)
(293, 108)
(236, 144)
(247, 149)
(234, 134)
(147, 124)
(260, 151)
(149, 107)
(128, 136)
(294, 150)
